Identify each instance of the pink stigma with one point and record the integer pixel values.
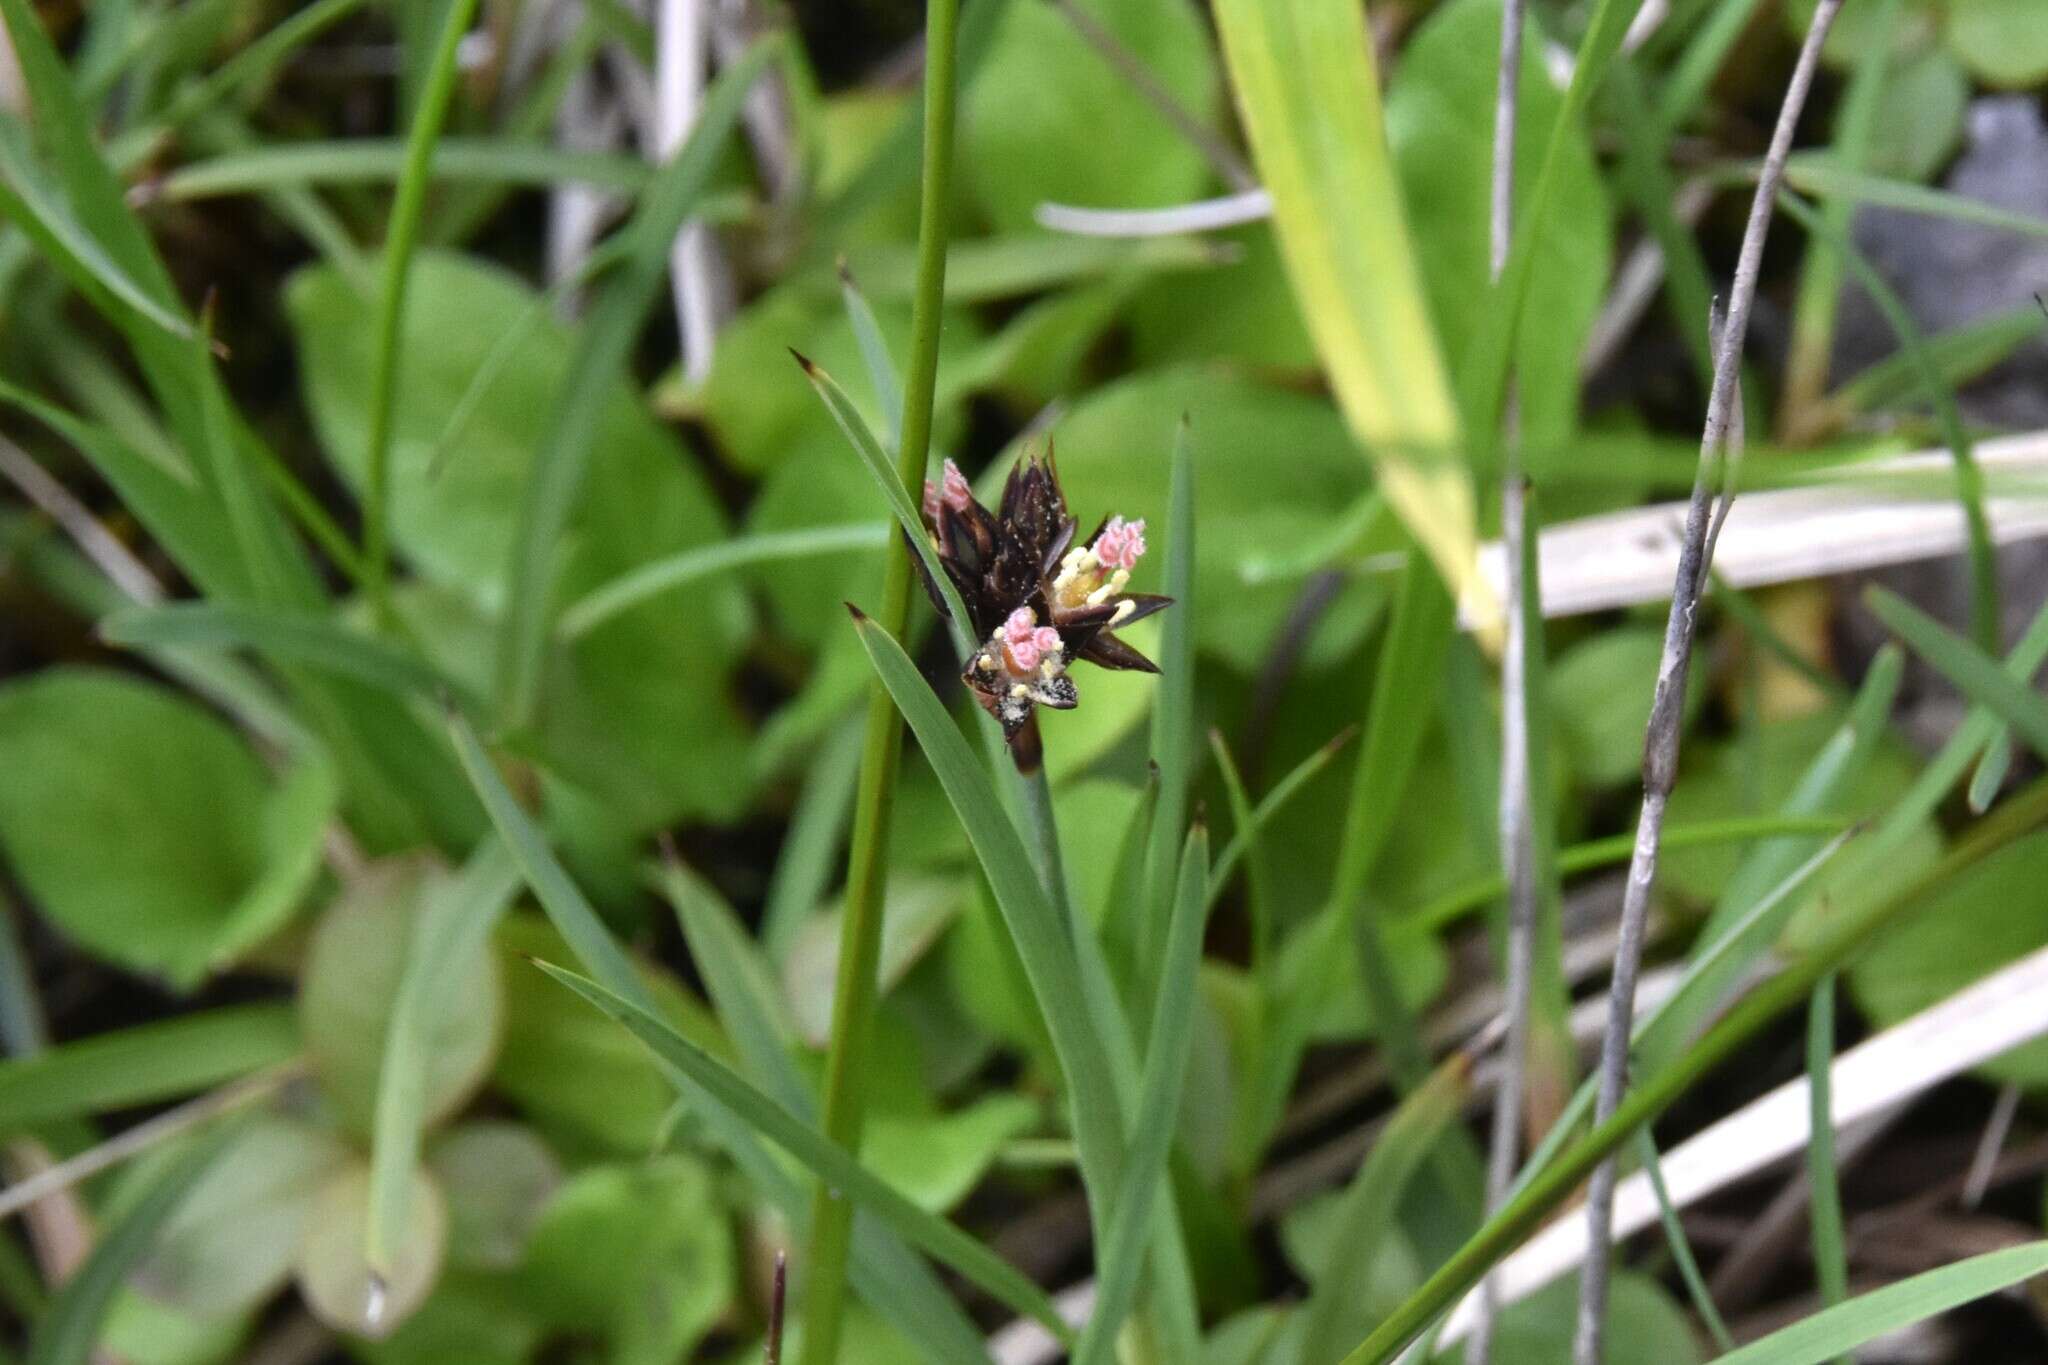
(952, 489)
(1120, 543)
(1026, 642)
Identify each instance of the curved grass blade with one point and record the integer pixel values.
(1974, 674)
(38, 211)
(1158, 1110)
(1881, 1312)
(829, 1162)
(894, 1281)
(284, 636)
(71, 1328)
(457, 923)
(622, 304)
(651, 580)
(1039, 934)
(354, 161)
(874, 353)
(741, 984)
(1681, 1246)
(1310, 99)
(1271, 805)
(1366, 1220)
(1257, 874)
(882, 468)
(1830, 1249)
(810, 849)
(1596, 853)
(401, 235)
(1818, 176)
(144, 1064)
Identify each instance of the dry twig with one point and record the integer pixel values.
(1660, 746)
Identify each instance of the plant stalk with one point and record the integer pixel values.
(853, 1002)
(1660, 746)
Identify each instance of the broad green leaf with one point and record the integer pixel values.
(145, 1064)
(1976, 924)
(71, 1328)
(141, 824)
(1033, 117)
(1174, 749)
(1309, 97)
(1600, 695)
(641, 1255)
(339, 1285)
(355, 973)
(233, 1240)
(476, 1319)
(935, 1160)
(645, 693)
(917, 911)
(2003, 41)
(496, 1176)
(1884, 1311)
(1440, 122)
(1243, 311)
(1919, 123)
(1643, 1324)
(429, 1024)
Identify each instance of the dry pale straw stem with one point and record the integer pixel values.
(1660, 746)
(1517, 851)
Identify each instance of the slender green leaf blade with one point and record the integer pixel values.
(1881, 1312)
(144, 1064)
(1977, 676)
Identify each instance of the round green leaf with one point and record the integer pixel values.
(233, 1240)
(1047, 118)
(2005, 42)
(335, 1279)
(351, 980)
(1600, 692)
(1919, 122)
(140, 823)
(641, 1254)
(497, 1177)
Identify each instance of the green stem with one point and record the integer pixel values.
(1527, 1211)
(853, 1001)
(401, 235)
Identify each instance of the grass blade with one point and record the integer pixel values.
(1881, 1312)
(352, 161)
(608, 336)
(1830, 1244)
(811, 847)
(1158, 1109)
(1974, 674)
(1367, 1217)
(456, 924)
(1819, 176)
(651, 580)
(1271, 805)
(145, 1064)
(874, 353)
(1306, 87)
(285, 636)
(1041, 938)
(830, 1162)
(1681, 1246)
(401, 235)
(741, 984)
(1597, 853)
(882, 468)
(71, 1328)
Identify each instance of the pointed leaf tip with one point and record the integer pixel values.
(805, 361)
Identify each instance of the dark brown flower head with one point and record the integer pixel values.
(1036, 599)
